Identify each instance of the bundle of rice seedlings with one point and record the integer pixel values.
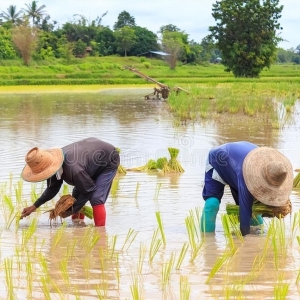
(296, 182)
(121, 169)
(163, 165)
(87, 211)
(65, 202)
(174, 164)
(151, 165)
(259, 208)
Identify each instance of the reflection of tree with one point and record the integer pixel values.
(232, 128)
(34, 112)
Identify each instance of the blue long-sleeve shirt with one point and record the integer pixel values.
(227, 160)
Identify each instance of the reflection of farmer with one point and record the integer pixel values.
(89, 165)
(251, 172)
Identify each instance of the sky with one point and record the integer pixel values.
(192, 16)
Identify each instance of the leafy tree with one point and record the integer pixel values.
(105, 40)
(79, 48)
(125, 39)
(124, 19)
(46, 46)
(245, 32)
(169, 27)
(12, 15)
(172, 43)
(35, 12)
(24, 38)
(7, 50)
(145, 40)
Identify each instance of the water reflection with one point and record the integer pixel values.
(143, 130)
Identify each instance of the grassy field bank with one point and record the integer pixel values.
(110, 70)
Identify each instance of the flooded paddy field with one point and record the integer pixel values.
(134, 256)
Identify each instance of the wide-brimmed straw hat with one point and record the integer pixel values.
(268, 176)
(42, 164)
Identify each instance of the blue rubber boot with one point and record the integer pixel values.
(209, 215)
(257, 220)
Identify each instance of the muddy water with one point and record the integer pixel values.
(116, 266)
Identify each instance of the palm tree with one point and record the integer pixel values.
(34, 11)
(12, 15)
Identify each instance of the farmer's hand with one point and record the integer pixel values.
(27, 211)
(65, 214)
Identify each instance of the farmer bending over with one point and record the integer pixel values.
(251, 172)
(89, 165)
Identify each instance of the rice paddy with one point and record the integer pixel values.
(152, 247)
(82, 261)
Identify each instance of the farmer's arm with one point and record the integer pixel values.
(53, 187)
(245, 207)
(84, 188)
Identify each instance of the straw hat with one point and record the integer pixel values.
(42, 164)
(268, 176)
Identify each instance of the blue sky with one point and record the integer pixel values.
(192, 16)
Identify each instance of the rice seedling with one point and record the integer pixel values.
(296, 223)
(174, 164)
(131, 235)
(71, 248)
(259, 208)
(33, 193)
(182, 254)
(29, 273)
(163, 165)
(296, 181)
(28, 233)
(90, 239)
(161, 227)
(151, 165)
(44, 265)
(63, 267)
(121, 169)
(167, 271)
(8, 266)
(142, 255)
(220, 261)
(65, 190)
(227, 230)
(45, 287)
(8, 210)
(112, 241)
(185, 289)
(157, 190)
(281, 291)
(101, 290)
(114, 188)
(86, 267)
(136, 288)
(19, 192)
(196, 242)
(155, 245)
(137, 190)
(58, 235)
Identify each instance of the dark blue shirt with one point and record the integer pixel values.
(227, 160)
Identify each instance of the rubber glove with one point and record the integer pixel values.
(209, 214)
(257, 220)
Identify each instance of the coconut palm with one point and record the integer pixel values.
(12, 15)
(34, 11)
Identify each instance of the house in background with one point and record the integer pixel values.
(155, 54)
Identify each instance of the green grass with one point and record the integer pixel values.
(110, 70)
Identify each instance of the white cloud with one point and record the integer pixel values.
(192, 16)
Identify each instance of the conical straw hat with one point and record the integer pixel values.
(42, 164)
(268, 176)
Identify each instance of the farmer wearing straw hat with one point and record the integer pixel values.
(89, 165)
(251, 172)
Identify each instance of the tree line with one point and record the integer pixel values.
(244, 37)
